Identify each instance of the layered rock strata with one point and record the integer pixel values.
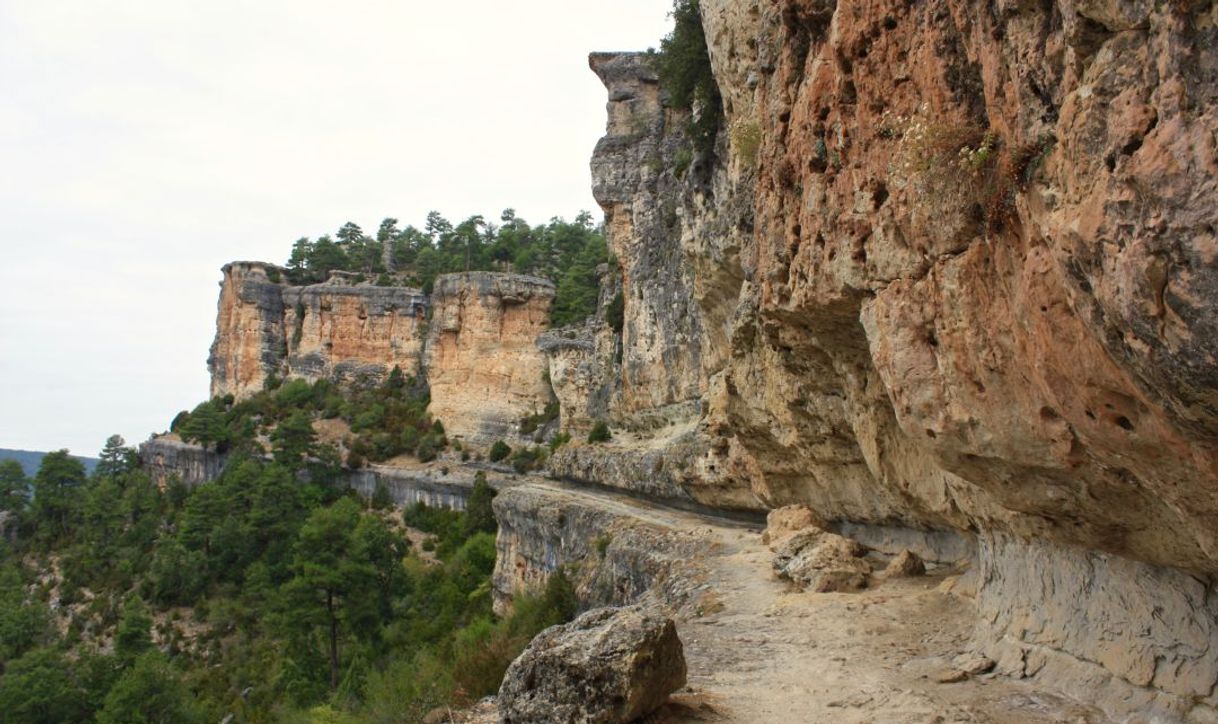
(615, 553)
(661, 328)
(338, 330)
(484, 368)
(353, 334)
(250, 344)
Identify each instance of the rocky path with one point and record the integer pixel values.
(770, 654)
(758, 651)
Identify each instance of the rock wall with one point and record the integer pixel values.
(484, 368)
(618, 557)
(250, 344)
(479, 353)
(166, 457)
(633, 182)
(951, 267)
(353, 334)
(339, 330)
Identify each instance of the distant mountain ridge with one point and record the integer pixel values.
(31, 459)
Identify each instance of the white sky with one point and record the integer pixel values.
(144, 143)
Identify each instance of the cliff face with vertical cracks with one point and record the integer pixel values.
(250, 343)
(483, 364)
(953, 266)
(352, 334)
(338, 330)
(480, 357)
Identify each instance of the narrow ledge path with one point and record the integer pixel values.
(763, 652)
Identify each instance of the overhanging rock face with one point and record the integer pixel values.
(1020, 348)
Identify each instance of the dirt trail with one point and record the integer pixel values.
(771, 654)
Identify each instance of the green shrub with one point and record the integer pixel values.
(427, 450)
(559, 440)
(615, 313)
(526, 459)
(499, 451)
(602, 544)
(381, 499)
(600, 432)
(683, 64)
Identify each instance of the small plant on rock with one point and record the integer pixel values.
(499, 451)
(600, 432)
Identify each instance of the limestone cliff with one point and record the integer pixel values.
(951, 266)
(250, 342)
(483, 364)
(352, 333)
(166, 457)
(336, 330)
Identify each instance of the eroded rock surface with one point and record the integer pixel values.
(338, 330)
(609, 665)
(1019, 344)
(353, 334)
(616, 550)
(483, 365)
(166, 457)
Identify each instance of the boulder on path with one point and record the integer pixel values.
(906, 563)
(782, 523)
(608, 665)
(822, 561)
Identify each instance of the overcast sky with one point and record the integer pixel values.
(144, 143)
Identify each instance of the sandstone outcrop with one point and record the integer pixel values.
(339, 330)
(483, 365)
(610, 665)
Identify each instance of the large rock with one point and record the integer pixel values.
(614, 554)
(608, 665)
(822, 561)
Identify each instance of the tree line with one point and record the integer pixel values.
(567, 253)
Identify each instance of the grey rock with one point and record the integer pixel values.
(609, 665)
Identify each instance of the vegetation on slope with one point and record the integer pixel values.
(683, 64)
(259, 595)
(564, 252)
(385, 421)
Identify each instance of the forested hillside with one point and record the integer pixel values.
(270, 595)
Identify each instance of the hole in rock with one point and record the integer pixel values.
(880, 195)
(1124, 423)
